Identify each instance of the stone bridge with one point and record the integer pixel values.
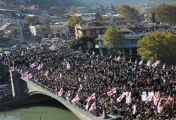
(34, 88)
(22, 88)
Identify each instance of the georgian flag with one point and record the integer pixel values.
(87, 105)
(149, 97)
(148, 63)
(60, 93)
(112, 92)
(156, 64)
(134, 109)
(92, 97)
(29, 76)
(117, 59)
(33, 65)
(75, 99)
(119, 99)
(156, 98)
(141, 62)
(144, 96)
(93, 107)
(128, 98)
(68, 66)
(160, 105)
(80, 88)
(40, 66)
(170, 101)
(46, 73)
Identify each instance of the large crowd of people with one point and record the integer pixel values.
(101, 84)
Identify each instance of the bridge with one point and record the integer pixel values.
(34, 88)
(22, 88)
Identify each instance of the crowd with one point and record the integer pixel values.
(101, 84)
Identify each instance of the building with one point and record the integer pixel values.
(59, 29)
(132, 33)
(10, 31)
(95, 27)
(128, 45)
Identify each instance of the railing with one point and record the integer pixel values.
(77, 105)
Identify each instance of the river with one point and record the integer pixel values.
(47, 110)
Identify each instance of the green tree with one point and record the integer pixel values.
(112, 38)
(158, 46)
(72, 21)
(165, 13)
(30, 21)
(131, 14)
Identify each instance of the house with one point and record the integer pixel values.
(128, 46)
(10, 31)
(59, 29)
(93, 28)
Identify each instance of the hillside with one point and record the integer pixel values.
(49, 3)
(93, 3)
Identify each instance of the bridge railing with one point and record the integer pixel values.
(78, 105)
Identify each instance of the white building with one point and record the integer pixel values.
(60, 29)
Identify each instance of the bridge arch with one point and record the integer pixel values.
(37, 89)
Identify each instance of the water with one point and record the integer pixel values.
(38, 112)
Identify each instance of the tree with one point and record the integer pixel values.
(72, 21)
(112, 38)
(131, 14)
(30, 21)
(165, 13)
(158, 46)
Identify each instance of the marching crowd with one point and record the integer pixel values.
(101, 84)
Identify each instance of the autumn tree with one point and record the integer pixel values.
(112, 38)
(30, 20)
(158, 46)
(131, 14)
(73, 20)
(165, 13)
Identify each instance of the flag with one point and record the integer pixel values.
(29, 76)
(149, 97)
(112, 92)
(93, 107)
(119, 99)
(40, 66)
(33, 65)
(160, 105)
(46, 73)
(134, 109)
(128, 98)
(75, 99)
(60, 93)
(141, 62)
(87, 105)
(156, 98)
(156, 64)
(148, 63)
(68, 94)
(144, 96)
(68, 66)
(92, 97)
(80, 88)
(170, 101)
(117, 59)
